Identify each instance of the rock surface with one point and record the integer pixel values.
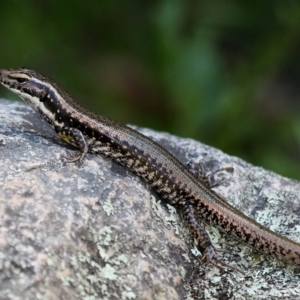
(96, 231)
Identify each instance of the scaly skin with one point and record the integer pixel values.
(159, 168)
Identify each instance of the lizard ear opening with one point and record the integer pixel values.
(43, 96)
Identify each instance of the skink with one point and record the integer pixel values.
(160, 169)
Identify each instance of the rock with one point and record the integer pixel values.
(96, 231)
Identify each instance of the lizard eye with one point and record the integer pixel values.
(21, 80)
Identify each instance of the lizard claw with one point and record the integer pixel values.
(210, 256)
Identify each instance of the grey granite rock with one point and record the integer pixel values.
(96, 231)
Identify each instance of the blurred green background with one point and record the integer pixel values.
(226, 73)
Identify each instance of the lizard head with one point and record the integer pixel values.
(41, 93)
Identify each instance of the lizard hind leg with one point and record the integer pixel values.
(208, 178)
(202, 238)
